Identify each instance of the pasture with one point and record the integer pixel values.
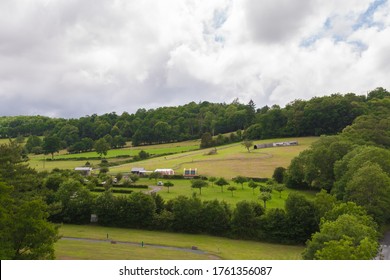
(64, 160)
(93, 245)
(229, 161)
(183, 187)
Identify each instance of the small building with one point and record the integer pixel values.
(191, 172)
(138, 170)
(165, 171)
(275, 144)
(86, 171)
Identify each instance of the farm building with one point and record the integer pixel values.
(275, 144)
(190, 172)
(165, 171)
(137, 170)
(84, 170)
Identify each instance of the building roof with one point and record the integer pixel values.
(138, 169)
(84, 168)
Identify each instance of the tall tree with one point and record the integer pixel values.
(102, 147)
(199, 184)
(221, 182)
(51, 144)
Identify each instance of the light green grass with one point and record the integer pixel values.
(87, 250)
(223, 248)
(183, 187)
(230, 161)
(63, 160)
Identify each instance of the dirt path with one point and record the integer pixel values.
(164, 247)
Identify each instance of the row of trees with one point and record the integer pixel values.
(319, 115)
(338, 230)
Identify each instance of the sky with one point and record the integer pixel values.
(72, 58)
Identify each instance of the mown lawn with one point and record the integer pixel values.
(223, 248)
(183, 187)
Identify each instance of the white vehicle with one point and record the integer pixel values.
(160, 183)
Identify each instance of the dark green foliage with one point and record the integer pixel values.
(346, 168)
(187, 214)
(378, 93)
(51, 144)
(215, 217)
(143, 155)
(101, 147)
(221, 182)
(279, 174)
(274, 226)
(25, 232)
(346, 232)
(313, 168)
(206, 141)
(168, 184)
(240, 180)
(33, 142)
(76, 202)
(245, 218)
(199, 184)
(301, 218)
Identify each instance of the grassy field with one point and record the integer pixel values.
(230, 160)
(64, 160)
(214, 247)
(183, 187)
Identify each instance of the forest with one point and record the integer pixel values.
(349, 167)
(326, 115)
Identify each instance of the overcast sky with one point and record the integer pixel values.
(71, 58)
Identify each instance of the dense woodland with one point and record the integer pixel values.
(349, 166)
(320, 115)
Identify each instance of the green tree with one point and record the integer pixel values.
(101, 147)
(25, 232)
(76, 201)
(301, 217)
(51, 145)
(33, 142)
(345, 249)
(186, 212)
(199, 184)
(206, 140)
(155, 176)
(265, 196)
(245, 219)
(253, 185)
(212, 179)
(279, 174)
(168, 184)
(323, 203)
(232, 189)
(240, 180)
(215, 217)
(247, 144)
(279, 188)
(370, 188)
(347, 237)
(221, 182)
(133, 178)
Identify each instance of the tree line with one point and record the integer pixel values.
(317, 116)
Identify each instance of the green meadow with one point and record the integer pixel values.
(183, 187)
(93, 244)
(229, 161)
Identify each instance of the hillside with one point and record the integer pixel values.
(229, 161)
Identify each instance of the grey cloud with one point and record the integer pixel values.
(278, 20)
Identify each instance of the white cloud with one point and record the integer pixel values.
(72, 58)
